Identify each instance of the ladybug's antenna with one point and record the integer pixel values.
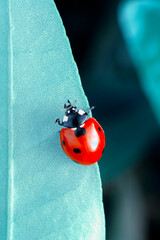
(72, 105)
(74, 102)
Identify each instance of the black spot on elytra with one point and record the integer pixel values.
(80, 131)
(63, 143)
(76, 150)
(99, 129)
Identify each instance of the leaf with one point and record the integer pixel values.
(49, 196)
(139, 22)
(3, 119)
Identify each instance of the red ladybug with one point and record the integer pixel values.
(83, 139)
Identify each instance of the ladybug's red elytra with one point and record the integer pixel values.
(83, 140)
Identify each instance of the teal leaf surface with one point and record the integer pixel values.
(49, 196)
(139, 21)
(3, 118)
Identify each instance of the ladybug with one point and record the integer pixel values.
(83, 139)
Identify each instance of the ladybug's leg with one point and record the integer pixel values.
(90, 109)
(58, 120)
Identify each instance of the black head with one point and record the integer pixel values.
(74, 117)
(70, 108)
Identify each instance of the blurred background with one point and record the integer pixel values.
(116, 45)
